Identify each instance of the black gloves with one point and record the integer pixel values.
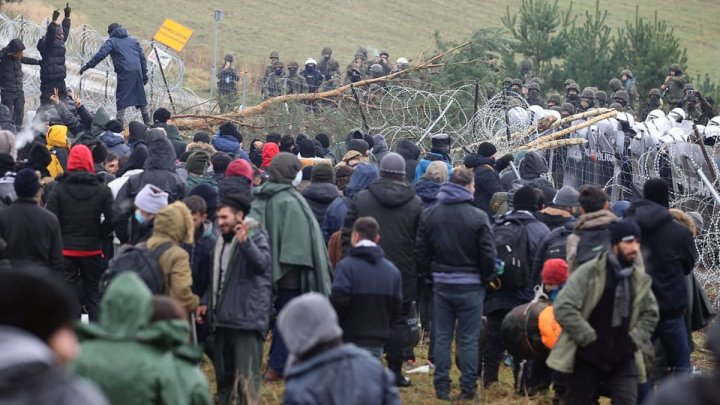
(83, 69)
(56, 14)
(67, 10)
(504, 162)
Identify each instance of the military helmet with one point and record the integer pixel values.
(376, 68)
(557, 108)
(714, 122)
(626, 72)
(278, 65)
(310, 61)
(688, 86)
(567, 82)
(326, 50)
(655, 92)
(402, 61)
(274, 54)
(555, 98)
(537, 80)
(229, 58)
(568, 107)
(615, 84)
(516, 82)
(622, 95)
(677, 114)
(384, 53)
(601, 95)
(588, 93)
(507, 81)
(654, 114)
(292, 65)
(675, 67)
(573, 86)
(359, 55)
(617, 107)
(533, 86)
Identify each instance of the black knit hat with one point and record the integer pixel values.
(228, 128)
(7, 163)
(525, 199)
(657, 190)
(114, 126)
(307, 148)
(623, 231)
(240, 202)
(27, 183)
(323, 139)
(161, 115)
(99, 152)
(209, 194)
(487, 149)
(359, 145)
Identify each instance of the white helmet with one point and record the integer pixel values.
(402, 61)
(712, 132)
(674, 135)
(654, 114)
(677, 114)
(714, 122)
(310, 61)
(625, 117)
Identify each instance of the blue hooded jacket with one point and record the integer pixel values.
(362, 177)
(230, 145)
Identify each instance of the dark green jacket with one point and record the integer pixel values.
(576, 302)
(132, 360)
(295, 236)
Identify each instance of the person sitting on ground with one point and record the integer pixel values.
(318, 355)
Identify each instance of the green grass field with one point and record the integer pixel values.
(251, 29)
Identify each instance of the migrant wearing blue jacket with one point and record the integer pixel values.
(130, 67)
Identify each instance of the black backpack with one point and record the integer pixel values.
(511, 239)
(592, 242)
(557, 248)
(141, 261)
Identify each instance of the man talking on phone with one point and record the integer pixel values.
(238, 303)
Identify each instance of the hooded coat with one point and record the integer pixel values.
(174, 224)
(115, 143)
(159, 171)
(295, 237)
(130, 67)
(411, 153)
(334, 219)
(669, 254)
(32, 234)
(394, 205)
(591, 222)
(52, 51)
(126, 355)
(11, 74)
(31, 374)
(57, 143)
(345, 366)
(82, 203)
(487, 182)
(381, 148)
(319, 196)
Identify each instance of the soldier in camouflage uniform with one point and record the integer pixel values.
(533, 97)
(621, 97)
(294, 83)
(516, 86)
(269, 70)
(615, 84)
(587, 101)
(227, 85)
(526, 72)
(328, 66)
(383, 60)
(674, 86)
(654, 103)
(357, 69)
(567, 83)
(572, 95)
(601, 100)
(554, 101)
(629, 86)
(273, 85)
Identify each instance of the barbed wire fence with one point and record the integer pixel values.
(96, 88)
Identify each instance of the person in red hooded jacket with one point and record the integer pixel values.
(83, 205)
(268, 153)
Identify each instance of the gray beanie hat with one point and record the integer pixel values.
(566, 197)
(698, 220)
(151, 199)
(392, 165)
(307, 321)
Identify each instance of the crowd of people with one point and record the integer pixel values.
(339, 255)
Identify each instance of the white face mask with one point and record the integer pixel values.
(298, 178)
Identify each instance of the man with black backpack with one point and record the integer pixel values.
(591, 236)
(517, 238)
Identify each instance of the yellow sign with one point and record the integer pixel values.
(173, 35)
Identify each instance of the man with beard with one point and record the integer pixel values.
(238, 303)
(607, 311)
(654, 103)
